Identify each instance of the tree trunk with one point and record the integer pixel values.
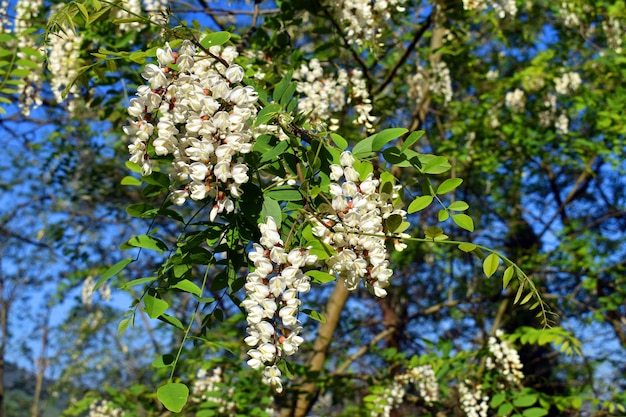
(332, 313)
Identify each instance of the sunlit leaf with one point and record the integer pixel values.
(420, 203)
(490, 264)
(111, 272)
(173, 396)
(449, 185)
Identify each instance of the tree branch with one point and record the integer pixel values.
(410, 48)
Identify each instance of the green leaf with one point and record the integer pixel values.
(164, 361)
(267, 113)
(173, 396)
(508, 274)
(146, 242)
(393, 222)
(535, 412)
(172, 320)
(525, 401)
(138, 281)
(188, 286)
(433, 232)
(320, 249)
(526, 298)
(141, 210)
(363, 149)
(434, 164)
(314, 315)
(497, 400)
(520, 291)
(380, 139)
(284, 193)
(275, 151)
(112, 271)
(128, 180)
(463, 221)
(467, 247)
(271, 208)
(138, 56)
(83, 10)
(449, 185)
(420, 203)
(288, 93)
(121, 328)
(413, 137)
(505, 409)
(154, 306)
(320, 277)
(338, 140)
(443, 215)
(490, 264)
(133, 167)
(281, 87)
(215, 38)
(458, 206)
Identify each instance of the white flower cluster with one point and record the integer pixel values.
(569, 15)
(434, 79)
(362, 19)
(157, 10)
(129, 9)
(391, 398)
(197, 112)
(25, 11)
(425, 382)
(205, 387)
(561, 124)
(502, 8)
(547, 116)
(5, 23)
(473, 402)
(515, 100)
(324, 94)
(613, 30)
(505, 359)
(64, 61)
(567, 83)
(355, 228)
(88, 291)
(104, 408)
(272, 302)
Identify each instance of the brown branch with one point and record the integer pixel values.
(355, 55)
(436, 42)
(418, 35)
(315, 363)
(580, 184)
(364, 349)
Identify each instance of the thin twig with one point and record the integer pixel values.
(418, 35)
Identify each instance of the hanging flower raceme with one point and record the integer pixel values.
(272, 302)
(195, 110)
(355, 228)
(505, 359)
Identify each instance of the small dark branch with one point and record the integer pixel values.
(416, 38)
(582, 182)
(245, 39)
(355, 55)
(211, 13)
(556, 192)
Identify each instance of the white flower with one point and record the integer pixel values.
(195, 118)
(515, 100)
